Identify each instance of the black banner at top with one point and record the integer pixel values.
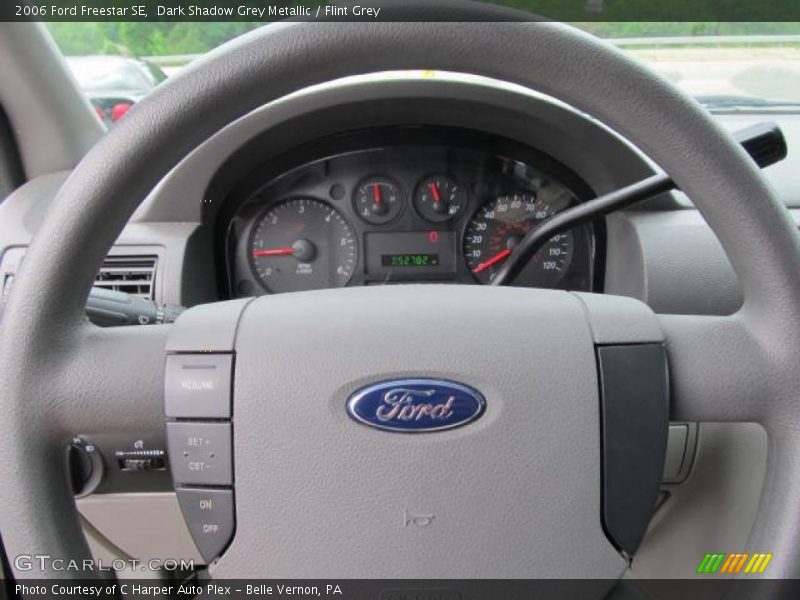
(402, 10)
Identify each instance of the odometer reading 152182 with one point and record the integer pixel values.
(499, 225)
(410, 260)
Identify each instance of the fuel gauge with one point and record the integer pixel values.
(439, 198)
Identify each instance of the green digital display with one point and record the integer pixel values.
(410, 260)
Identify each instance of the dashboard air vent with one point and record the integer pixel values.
(134, 275)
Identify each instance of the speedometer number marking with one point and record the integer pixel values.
(500, 224)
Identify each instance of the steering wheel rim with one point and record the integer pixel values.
(59, 372)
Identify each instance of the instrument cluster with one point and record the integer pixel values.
(421, 205)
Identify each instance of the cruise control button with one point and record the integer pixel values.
(200, 453)
(198, 386)
(209, 516)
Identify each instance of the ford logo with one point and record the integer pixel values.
(416, 405)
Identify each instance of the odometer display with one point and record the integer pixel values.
(410, 260)
(302, 244)
(499, 225)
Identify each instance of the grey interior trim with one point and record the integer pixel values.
(672, 261)
(54, 124)
(183, 271)
(713, 510)
(167, 242)
(102, 549)
(24, 210)
(445, 99)
(93, 206)
(142, 526)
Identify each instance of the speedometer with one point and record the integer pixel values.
(500, 224)
(302, 244)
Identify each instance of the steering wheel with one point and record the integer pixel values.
(318, 494)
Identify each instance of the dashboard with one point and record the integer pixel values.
(403, 205)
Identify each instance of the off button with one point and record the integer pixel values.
(209, 516)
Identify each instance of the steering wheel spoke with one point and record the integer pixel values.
(719, 372)
(122, 386)
(86, 380)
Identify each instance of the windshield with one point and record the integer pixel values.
(726, 66)
(101, 74)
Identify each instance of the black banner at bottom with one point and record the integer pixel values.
(410, 589)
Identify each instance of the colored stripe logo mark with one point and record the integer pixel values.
(735, 562)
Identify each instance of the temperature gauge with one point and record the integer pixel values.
(378, 200)
(439, 198)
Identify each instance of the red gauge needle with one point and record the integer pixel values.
(435, 192)
(376, 192)
(274, 252)
(492, 261)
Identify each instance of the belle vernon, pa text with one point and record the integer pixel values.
(183, 590)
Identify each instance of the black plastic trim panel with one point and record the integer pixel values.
(634, 388)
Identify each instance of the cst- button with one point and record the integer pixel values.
(198, 386)
(209, 516)
(200, 453)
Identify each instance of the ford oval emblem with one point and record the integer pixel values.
(416, 405)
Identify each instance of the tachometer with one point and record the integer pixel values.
(498, 227)
(302, 244)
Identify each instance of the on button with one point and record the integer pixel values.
(209, 516)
